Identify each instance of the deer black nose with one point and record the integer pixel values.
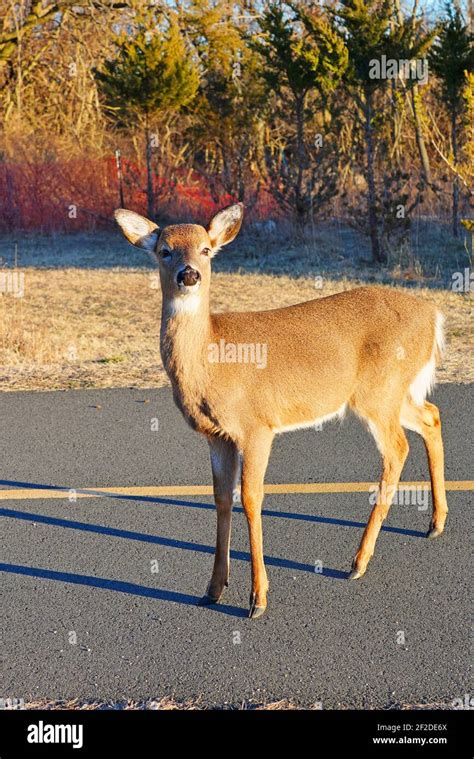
(188, 276)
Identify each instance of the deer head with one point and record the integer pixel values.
(183, 252)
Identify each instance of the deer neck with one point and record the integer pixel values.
(185, 337)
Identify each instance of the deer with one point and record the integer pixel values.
(372, 350)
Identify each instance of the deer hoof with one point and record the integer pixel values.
(256, 611)
(356, 572)
(207, 601)
(434, 532)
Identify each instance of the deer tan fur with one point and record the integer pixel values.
(371, 350)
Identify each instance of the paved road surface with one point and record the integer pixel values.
(84, 615)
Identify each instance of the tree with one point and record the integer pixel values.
(152, 72)
(402, 187)
(228, 111)
(23, 19)
(301, 54)
(366, 31)
(452, 55)
(412, 41)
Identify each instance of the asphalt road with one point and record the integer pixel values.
(84, 615)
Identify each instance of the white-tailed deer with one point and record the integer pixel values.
(372, 350)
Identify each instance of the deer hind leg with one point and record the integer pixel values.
(426, 421)
(225, 464)
(393, 445)
(255, 459)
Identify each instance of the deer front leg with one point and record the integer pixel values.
(225, 469)
(255, 459)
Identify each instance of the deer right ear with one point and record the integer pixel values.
(139, 231)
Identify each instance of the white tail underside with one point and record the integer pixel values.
(425, 380)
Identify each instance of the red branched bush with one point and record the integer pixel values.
(81, 195)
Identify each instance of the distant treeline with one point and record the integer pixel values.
(362, 109)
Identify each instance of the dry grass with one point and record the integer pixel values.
(100, 328)
(167, 704)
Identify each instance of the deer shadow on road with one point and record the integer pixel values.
(157, 593)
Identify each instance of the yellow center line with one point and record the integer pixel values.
(21, 494)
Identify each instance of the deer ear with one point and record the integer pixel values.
(225, 225)
(139, 231)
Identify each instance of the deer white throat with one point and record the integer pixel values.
(183, 304)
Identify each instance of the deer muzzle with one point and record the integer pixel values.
(188, 277)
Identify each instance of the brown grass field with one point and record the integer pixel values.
(167, 704)
(85, 328)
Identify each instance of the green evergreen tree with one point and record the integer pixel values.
(228, 112)
(301, 54)
(451, 57)
(153, 71)
(366, 31)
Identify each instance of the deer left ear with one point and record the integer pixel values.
(138, 230)
(225, 225)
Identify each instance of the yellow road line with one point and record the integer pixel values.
(21, 494)
(358, 487)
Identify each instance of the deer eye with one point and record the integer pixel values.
(166, 253)
(206, 251)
